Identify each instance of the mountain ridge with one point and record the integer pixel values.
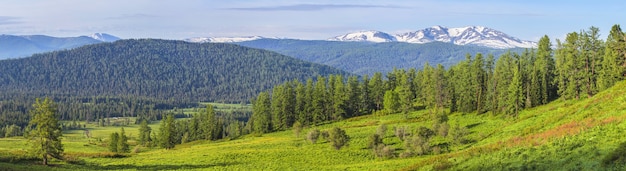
(469, 35)
(17, 46)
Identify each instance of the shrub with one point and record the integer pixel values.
(338, 138)
(313, 136)
(384, 151)
(297, 128)
(444, 128)
(458, 134)
(374, 141)
(425, 132)
(325, 135)
(617, 156)
(418, 145)
(401, 132)
(382, 130)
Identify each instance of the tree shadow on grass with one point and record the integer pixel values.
(158, 167)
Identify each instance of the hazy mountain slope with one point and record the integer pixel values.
(12, 46)
(156, 68)
(367, 58)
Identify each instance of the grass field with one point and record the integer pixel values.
(575, 135)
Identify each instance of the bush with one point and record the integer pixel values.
(338, 138)
(616, 157)
(384, 151)
(374, 141)
(401, 132)
(325, 135)
(313, 136)
(297, 128)
(382, 130)
(418, 145)
(458, 134)
(444, 128)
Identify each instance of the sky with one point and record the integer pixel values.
(299, 19)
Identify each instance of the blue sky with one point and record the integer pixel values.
(321, 19)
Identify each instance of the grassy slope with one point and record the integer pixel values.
(558, 136)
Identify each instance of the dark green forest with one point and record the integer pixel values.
(159, 69)
(579, 67)
(365, 58)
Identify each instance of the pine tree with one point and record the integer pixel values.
(319, 101)
(46, 137)
(478, 76)
(113, 142)
(391, 102)
(211, 124)
(167, 132)
(144, 132)
(515, 90)
(122, 144)
(262, 113)
(612, 69)
(545, 68)
(403, 90)
(352, 96)
(378, 92)
(339, 98)
(278, 112)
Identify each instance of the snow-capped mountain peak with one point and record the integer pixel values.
(470, 35)
(368, 36)
(104, 37)
(223, 39)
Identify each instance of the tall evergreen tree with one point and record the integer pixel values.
(545, 68)
(319, 101)
(144, 132)
(515, 90)
(261, 115)
(378, 91)
(46, 137)
(113, 142)
(339, 98)
(613, 63)
(391, 102)
(122, 143)
(403, 90)
(167, 132)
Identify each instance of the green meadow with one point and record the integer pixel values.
(563, 135)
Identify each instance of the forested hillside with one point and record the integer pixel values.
(367, 58)
(578, 68)
(159, 69)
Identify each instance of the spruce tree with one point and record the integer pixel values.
(113, 142)
(122, 144)
(46, 137)
(262, 114)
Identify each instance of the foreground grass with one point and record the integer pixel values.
(558, 136)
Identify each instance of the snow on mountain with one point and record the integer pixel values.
(368, 36)
(471, 35)
(104, 37)
(223, 39)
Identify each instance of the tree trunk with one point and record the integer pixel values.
(45, 159)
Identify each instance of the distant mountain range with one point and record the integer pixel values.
(367, 58)
(15, 46)
(471, 35)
